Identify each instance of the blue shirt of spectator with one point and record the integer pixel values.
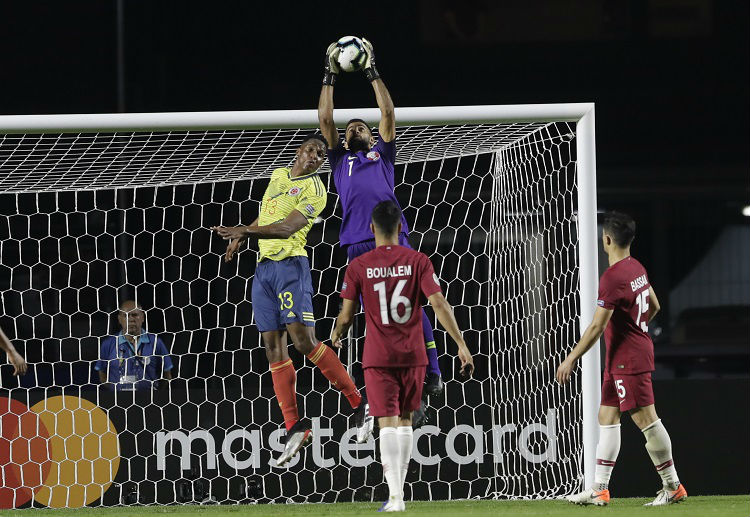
(133, 359)
(132, 367)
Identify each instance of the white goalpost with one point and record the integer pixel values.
(95, 209)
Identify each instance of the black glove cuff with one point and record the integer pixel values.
(372, 74)
(329, 78)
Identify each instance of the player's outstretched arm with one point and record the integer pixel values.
(447, 319)
(294, 222)
(343, 322)
(653, 304)
(590, 336)
(387, 126)
(14, 358)
(325, 103)
(235, 244)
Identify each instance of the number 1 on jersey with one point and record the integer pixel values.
(642, 300)
(351, 164)
(396, 300)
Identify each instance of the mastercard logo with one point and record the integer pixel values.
(62, 452)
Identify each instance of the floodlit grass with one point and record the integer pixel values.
(724, 506)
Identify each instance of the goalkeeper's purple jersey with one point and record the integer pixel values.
(362, 181)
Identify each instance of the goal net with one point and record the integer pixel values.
(100, 209)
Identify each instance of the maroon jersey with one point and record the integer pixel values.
(394, 283)
(623, 288)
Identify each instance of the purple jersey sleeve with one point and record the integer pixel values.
(386, 149)
(335, 155)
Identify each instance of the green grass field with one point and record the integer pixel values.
(695, 507)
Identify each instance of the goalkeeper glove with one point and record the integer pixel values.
(331, 67)
(370, 71)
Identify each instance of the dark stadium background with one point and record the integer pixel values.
(670, 83)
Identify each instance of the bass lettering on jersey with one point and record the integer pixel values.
(385, 272)
(638, 283)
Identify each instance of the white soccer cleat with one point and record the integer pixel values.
(297, 437)
(666, 496)
(590, 496)
(364, 421)
(393, 505)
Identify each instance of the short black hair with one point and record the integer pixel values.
(621, 227)
(314, 136)
(385, 216)
(352, 121)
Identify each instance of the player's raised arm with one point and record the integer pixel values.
(447, 319)
(590, 336)
(14, 358)
(325, 103)
(387, 126)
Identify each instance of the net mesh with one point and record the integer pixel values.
(92, 219)
(93, 161)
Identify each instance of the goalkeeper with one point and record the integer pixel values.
(363, 172)
(282, 287)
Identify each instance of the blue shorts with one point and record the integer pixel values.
(282, 293)
(360, 248)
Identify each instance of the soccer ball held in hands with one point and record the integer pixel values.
(352, 53)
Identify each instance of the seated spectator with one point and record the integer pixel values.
(133, 359)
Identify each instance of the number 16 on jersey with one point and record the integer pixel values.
(396, 300)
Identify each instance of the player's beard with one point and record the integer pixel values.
(359, 144)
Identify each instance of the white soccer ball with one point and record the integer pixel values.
(352, 53)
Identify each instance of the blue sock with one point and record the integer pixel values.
(429, 339)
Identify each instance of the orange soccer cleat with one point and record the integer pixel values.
(666, 496)
(590, 496)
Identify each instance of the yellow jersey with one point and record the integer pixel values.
(306, 194)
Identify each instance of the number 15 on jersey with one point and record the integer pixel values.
(642, 301)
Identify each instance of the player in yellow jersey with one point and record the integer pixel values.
(282, 287)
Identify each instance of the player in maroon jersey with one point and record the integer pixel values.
(626, 304)
(394, 282)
